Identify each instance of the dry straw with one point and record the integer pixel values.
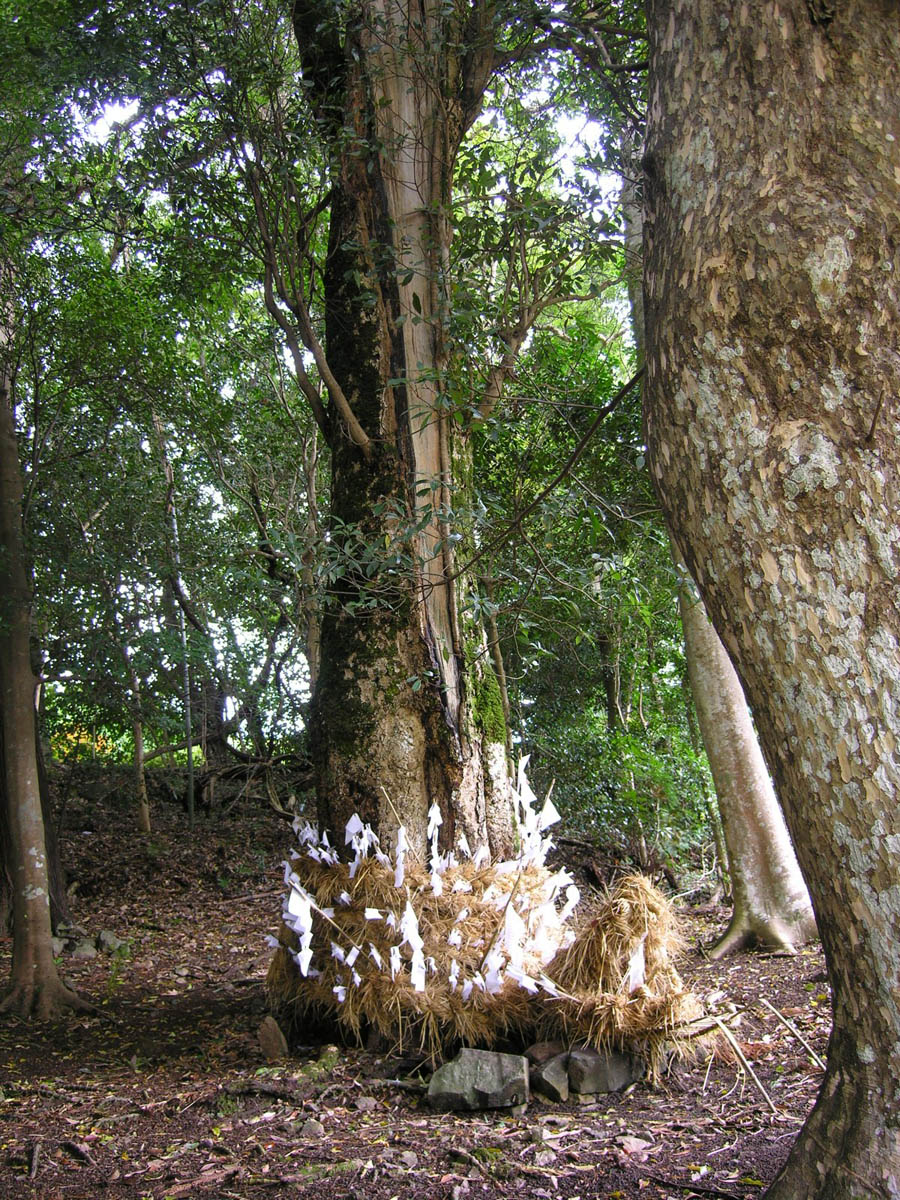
(474, 953)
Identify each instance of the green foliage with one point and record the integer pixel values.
(161, 271)
(585, 595)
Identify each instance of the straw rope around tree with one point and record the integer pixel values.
(471, 952)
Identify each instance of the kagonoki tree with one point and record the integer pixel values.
(360, 276)
(771, 252)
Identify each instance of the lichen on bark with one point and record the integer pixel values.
(772, 311)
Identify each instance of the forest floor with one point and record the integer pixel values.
(166, 1092)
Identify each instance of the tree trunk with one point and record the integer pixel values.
(771, 291)
(137, 729)
(770, 902)
(140, 776)
(492, 632)
(35, 987)
(406, 709)
(59, 901)
(310, 597)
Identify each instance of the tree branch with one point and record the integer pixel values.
(570, 462)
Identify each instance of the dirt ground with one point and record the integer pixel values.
(166, 1092)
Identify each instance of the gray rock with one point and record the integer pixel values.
(541, 1052)
(84, 949)
(310, 1130)
(272, 1041)
(478, 1079)
(69, 930)
(59, 944)
(550, 1078)
(366, 1104)
(108, 941)
(591, 1071)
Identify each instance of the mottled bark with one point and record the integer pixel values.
(396, 720)
(59, 901)
(770, 901)
(771, 301)
(771, 905)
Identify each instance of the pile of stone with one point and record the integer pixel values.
(482, 1079)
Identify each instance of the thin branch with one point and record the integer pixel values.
(185, 605)
(297, 305)
(557, 479)
(792, 1028)
(742, 1059)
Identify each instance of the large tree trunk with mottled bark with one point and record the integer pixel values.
(59, 900)
(770, 900)
(406, 709)
(771, 286)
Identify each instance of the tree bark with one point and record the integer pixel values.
(770, 901)
(140, 776)
(35, 987)
(59, 901)
(406, 709)
(771, 294)
(771, 905)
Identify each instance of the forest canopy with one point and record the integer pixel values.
(169, 208)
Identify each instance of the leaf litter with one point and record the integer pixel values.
(168, 1093)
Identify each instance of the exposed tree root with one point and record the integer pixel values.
(42, 1001)
(744, 932)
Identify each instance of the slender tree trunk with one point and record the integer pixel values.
(772, 307)
(59, 900)
(607, 652)
(493, 639)
(140, 776)
(35, 987)
(407, 709)
(175, 556)
(771, 903)
(137, 730)
(311, 599)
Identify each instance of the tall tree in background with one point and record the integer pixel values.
(30, 120)
(771, 286)
(771, 905)
(35, 986)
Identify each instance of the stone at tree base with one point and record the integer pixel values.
(84, 949)
(550, 1078)
(590, 1071)
(108, 942)
(478, 1079)
(272, 1041)
(541, 1052)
